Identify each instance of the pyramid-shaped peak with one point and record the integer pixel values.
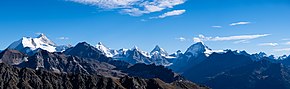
(83, 44)
(157, 48)
(135, 47)
(199, 43)
(41, 35)
(198, 47)
(45, 39)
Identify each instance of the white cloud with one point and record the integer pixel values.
(238, 39)
(63, 38)
(133, 7)
(268, 44)
(107, 4)
(195, 39)
(133, 11)
(285, 39)
(170, 13)
(181, 39)
(282, 49)
(239, 23)
(216, 26)
(287, 43)
(241, 41)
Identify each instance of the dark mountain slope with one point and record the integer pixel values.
(16, 78)
(259, 75)
(216, 63)
(85, 50)
(61, 63)
(153, 71)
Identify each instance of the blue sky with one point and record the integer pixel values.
(252, 25)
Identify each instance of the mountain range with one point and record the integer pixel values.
(137, 69)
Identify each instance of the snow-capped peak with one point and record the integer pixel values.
(146, 54)
(28, 44)
(158, 50)
(44, 39)
(135, 48)
(200, 47)
(106, 51)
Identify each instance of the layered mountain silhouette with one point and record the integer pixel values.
(87, 66)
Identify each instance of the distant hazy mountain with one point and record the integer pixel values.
(285, 60)
(214, 64)
(157, 56)
(257, 75)
(134, 55)
(160, 57)
(105, 50)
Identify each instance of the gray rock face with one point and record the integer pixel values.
(16, 78)
(61, 63)
(12, 57)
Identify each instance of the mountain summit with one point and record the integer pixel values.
(43, 38)
(159, 50)
(105, 50)
(197, 48)
(29, 45)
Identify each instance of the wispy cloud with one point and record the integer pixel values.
(133, 7)
(282, 49)
(170, 13)
(239, 23)
(285, 39)
(230, 38)
(242, 41)
(181, 39)
(143, 20)
(216, 26)
(268, 44)
(63, 38)
(287, 43)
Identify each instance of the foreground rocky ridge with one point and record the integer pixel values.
(25, 78)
